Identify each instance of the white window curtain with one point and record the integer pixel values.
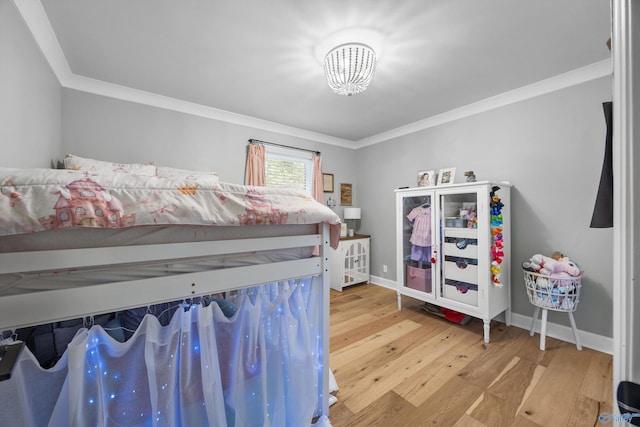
(260, 367)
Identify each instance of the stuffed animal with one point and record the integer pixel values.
(472, 219)
(554, 267)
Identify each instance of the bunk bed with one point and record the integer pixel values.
(78, 243)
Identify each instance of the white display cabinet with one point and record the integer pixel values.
(350, 262)
(453, 248)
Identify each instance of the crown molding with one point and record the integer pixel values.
(561, 81)
(36, 20)
(38, 23)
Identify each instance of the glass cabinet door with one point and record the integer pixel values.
(459, 242)
(417, 241)
(356, 262)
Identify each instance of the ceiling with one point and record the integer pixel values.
(255, 59)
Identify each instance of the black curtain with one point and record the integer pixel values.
(603, 210)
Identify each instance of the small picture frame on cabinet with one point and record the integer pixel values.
(426, 178)
(446, 176)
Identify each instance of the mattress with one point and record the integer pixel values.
(47, 210)
(36, 200)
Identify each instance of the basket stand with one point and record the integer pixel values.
(543, 327)
(552, 293)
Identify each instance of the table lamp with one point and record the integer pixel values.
(351, 217)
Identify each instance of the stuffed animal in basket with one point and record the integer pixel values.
(557, 265)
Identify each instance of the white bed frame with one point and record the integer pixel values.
(34, 308)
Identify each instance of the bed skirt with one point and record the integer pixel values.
(262, 366)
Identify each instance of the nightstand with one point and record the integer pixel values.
(349, 263)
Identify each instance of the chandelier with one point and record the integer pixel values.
(349, 68)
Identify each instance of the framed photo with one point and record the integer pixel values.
(327, 182)
(345, 194)
(426, 178)
(446, 176)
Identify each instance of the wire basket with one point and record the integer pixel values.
(553, 292)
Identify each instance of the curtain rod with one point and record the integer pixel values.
(257, 141)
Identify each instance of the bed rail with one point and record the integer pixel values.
(33, 261)
(34, 308)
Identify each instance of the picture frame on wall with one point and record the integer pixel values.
(345, 195)
(446, 176)
(426, 178)
(327, 182)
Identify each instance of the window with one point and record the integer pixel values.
(289, 168)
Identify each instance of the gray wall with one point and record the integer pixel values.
(110, 129)
(550, 148)
(29, 97)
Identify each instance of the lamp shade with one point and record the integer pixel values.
(351, 213)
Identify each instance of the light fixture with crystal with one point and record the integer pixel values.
(349, 68)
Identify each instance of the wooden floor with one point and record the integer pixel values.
(410, 368)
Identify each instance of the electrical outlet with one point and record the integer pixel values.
(384, 268)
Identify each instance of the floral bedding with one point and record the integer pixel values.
(34, 200)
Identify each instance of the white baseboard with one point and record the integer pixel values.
(381, 281)
(554, 330)
(564, 333)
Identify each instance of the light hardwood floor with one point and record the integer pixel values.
(410, 368)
